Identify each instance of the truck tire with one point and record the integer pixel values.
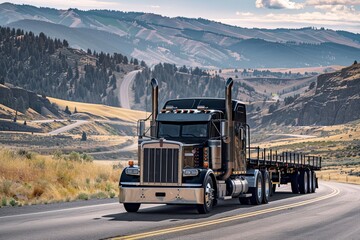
(295, 182)
(303, 182)
(310, 181)
(266, 187)
(209, 196)
(273, 189)
(313, 179)
(257, 191)
(132, 207)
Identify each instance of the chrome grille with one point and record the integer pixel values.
(160, 165)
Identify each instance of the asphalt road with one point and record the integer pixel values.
(125, 87)
(333, 212)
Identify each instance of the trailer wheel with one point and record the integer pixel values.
(209, 196)
(132, 207)
(310, 181)
(303, 183)
(257, 191)
(266, 187)
(273, 189)
(295, 182)
(313, 179)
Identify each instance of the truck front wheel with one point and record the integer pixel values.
(257, 191)
(132, 207)
(209, 196)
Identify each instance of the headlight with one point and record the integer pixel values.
(190, 172)
(132, 171)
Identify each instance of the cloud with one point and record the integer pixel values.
(278, 4)
(155, 6)
(244, 14)
(338, 20)
(332, 2)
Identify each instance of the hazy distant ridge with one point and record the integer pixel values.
(194, 42)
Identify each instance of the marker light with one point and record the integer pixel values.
(206, 164)
(131, 163)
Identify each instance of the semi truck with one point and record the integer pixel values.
(197, 151)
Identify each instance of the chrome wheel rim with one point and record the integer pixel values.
(209, 195)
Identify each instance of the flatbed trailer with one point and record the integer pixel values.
(197, 151)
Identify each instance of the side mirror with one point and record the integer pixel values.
(224, 137)
(141, 128)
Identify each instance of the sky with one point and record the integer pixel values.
(333, 14)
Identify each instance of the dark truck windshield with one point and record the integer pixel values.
(183, 130)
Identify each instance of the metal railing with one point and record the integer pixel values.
(264, 157)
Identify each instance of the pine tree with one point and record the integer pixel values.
(67, 111)
(83, 136)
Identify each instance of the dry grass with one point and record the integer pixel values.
(101, 111)
(28, 178)
(344, 174)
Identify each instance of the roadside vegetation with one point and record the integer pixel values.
(29, 178)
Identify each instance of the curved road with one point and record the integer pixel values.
(333, 212)
(124, 89)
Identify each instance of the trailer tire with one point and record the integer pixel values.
(310, 181)
(209, 196)
(295, 182)
(273, 189)
(257, 191)
(266, 187)
(132, 207)
(313, 181)
(303, 183)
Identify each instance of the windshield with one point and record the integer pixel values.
(183, 130)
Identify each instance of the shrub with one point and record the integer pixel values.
(12, 202)
(75, 156)
(3, 202)
(112, 194)
(83, 196)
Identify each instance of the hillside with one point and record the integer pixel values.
(334, 100)
(50, 67)
(184, 41)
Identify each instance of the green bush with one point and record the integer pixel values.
(112, 194)
(83, 196)
(74, 156)
(12, 202)
(3, 202)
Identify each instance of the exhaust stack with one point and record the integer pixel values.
(155, 105)
(229, 129)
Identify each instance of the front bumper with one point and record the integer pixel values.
(173, 195)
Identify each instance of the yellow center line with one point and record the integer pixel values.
(226, 219)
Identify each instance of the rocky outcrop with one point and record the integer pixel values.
(21, 100)
(335, 100)
(6, 96)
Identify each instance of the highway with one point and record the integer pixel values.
(333, 212)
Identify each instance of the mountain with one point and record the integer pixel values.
(334, 100)
(50, 67)
(184, 41)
